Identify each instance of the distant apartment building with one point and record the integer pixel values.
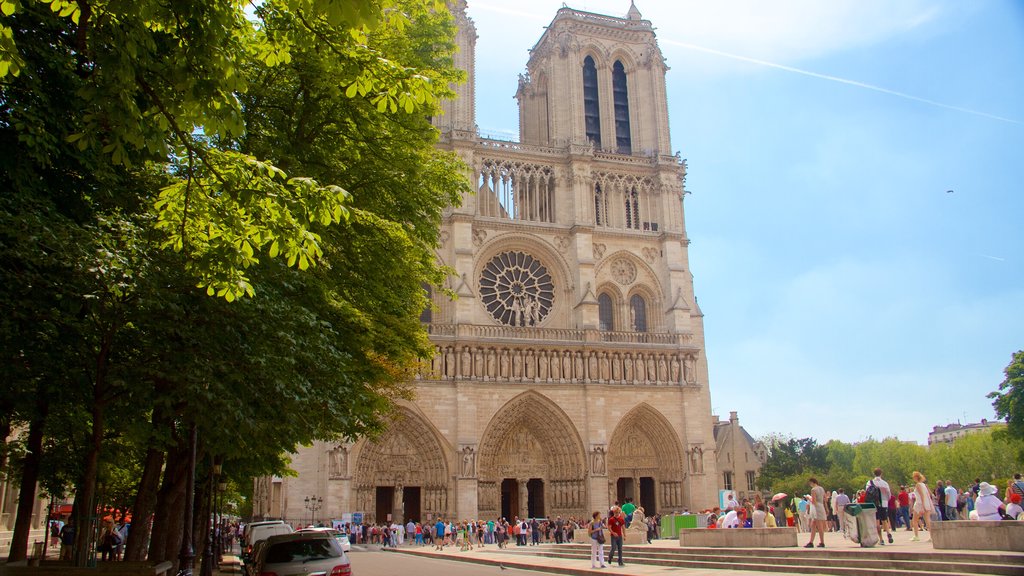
(950, 432)
(739, 457)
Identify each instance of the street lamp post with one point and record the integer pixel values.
(313, 503)
(221, 488)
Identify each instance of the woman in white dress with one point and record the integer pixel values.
(922, 505)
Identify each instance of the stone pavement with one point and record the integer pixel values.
(836, 546)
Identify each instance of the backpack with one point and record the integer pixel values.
(873, 494)
(1017, 487)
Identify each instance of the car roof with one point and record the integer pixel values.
(310, 535)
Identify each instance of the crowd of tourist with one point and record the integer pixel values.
(913, 507)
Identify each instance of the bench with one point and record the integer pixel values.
(46, 568)
(1007, 535)
(784, 537)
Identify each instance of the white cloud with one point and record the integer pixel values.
(787, 30)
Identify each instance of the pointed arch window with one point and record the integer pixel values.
(591, 107)
(632, 209)
(600, 206)
(620, 96)
(638, 313)
(605, 313)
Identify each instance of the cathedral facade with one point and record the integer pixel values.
(570, 372)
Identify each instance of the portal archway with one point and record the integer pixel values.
(532, 461)
(645, 461)
(403, 473)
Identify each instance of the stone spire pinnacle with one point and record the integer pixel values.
(633, 13)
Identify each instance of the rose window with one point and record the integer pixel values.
(516, 289)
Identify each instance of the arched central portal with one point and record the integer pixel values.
(531, 462)
(404, 473)
(645, 462)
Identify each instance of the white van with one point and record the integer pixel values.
(257, 531)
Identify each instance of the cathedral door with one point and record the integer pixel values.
(647, 495)
(624, 489)
(509, 498)
(535, 498)
(385, 503)
(411, 504)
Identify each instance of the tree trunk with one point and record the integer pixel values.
(87, 489)
(145, 504)
(29, 479)
(167, 521)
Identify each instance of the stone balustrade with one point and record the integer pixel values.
(560, 364)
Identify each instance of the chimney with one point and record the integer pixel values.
(714, 418)
(733, 417)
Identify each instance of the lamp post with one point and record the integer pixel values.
(313, 503)
(221, 488)
(206, 568)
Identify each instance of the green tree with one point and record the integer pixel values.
(1008, 400)
(146, 151)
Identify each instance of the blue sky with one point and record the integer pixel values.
(846, 293)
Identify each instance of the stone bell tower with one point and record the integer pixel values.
(596, 79)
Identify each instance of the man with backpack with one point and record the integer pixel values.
(877, 492)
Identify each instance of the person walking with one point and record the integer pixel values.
(596, 532)
(616, 522)
(842, 501)
(816, 513)
(67, 540)
(922, 505)
(903, 499)
(949, 499)
(881, 502)
(439, 534)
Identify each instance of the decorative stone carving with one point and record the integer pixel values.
(338, 462)
(674, 369)
(597, 461)
(442, 238)
(516, 289)
(468, 462)
(689, 365)
(650, 254)
(492, 364)
(697, 459)
(479, 237)
(623, 271)
(562, 243)
(599, 251)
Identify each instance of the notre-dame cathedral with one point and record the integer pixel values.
(570, 372)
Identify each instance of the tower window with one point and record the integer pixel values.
(591, 109)
(600, 206)
(638, 313)
(605, 313)
(620, 95)
(632, 209)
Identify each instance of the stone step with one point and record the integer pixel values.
(809, 561)
(878, 552)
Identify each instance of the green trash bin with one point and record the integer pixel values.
(860, 525)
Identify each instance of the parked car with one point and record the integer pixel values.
(259, 531)
(303, 553)
(340, 536)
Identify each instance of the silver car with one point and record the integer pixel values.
(302, 554)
